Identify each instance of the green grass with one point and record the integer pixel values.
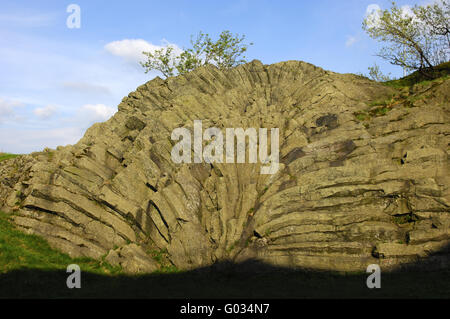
(367, 115)
(379, 103)
(160, 256)
(441, 71)
(30, 268)
(404, 218)
(380, 111)
(403, 97)
(362, 116)
(6, 156)
(23, 251)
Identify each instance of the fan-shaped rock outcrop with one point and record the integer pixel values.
(358, 183)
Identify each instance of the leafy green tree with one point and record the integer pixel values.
(228, 51)
(437, 18)
(415, 40)
(161, 60)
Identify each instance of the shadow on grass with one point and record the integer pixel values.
(225, 280)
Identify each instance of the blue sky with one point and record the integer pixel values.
(55, 82)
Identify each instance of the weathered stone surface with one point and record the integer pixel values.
(348, 192)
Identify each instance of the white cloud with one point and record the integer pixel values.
(350, 41)
(131, 49)
(45, 112)
(373, 14)
(7, 108)
(97, 112)
(27, 134)
(407, 11)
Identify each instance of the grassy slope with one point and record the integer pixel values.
(440, 71)
(408, 91)
(29, 268)
(23, 251)
(5, 156)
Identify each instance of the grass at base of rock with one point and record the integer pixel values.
(6, 156)
(23, 251)
(30, 268)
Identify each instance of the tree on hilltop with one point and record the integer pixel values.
(416, 39)
(224, 53)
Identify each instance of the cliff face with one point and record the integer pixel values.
(363, 176)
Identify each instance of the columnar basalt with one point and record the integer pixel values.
(348, 193)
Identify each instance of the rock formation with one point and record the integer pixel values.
(359, 182)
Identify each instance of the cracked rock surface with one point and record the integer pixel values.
(348, 192)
